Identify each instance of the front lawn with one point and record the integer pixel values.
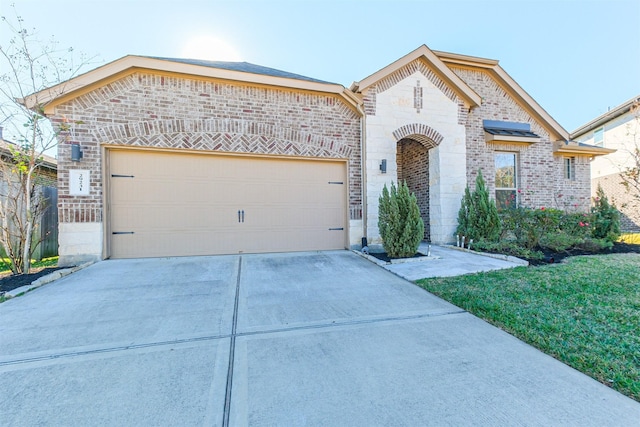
(584, 312)
(5, 264)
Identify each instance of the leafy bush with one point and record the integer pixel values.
(577, 224)
(595, 245)
(559, 242)
(508, 248)
(399, 223)
(606, 218)
(527, 226)
(478, 216)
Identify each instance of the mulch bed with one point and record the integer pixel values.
(13, 281)
(549, 256)
(382, 256)
(554, 257)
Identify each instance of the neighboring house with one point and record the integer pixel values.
(617, 129)
(46, 178)
(190, 157)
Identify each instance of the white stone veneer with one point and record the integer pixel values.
(79, 242)
(447, 162)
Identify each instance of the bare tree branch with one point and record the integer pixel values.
(28, 67)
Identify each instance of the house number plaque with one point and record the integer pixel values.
(79, 182)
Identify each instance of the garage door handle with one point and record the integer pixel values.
(243, 216)
(239, 216)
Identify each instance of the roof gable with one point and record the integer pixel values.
(233, 71)
(513, 89)
(424, 54)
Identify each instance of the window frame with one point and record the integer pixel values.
(569, 168)
(512, 200)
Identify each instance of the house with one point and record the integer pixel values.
(46, 180)
(618, 129)
(191, 157)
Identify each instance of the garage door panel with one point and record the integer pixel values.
(186, 204)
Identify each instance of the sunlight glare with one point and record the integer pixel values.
(210, 48)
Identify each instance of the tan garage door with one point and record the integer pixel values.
(175, 204)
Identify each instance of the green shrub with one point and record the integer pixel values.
(507, 247)
(577, 224)
(399, 223)
(560, 241)
(606, 218)
(527, 226)
(595, 245)
(478, 216)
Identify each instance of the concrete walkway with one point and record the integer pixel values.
(450, 261)
(322, 339)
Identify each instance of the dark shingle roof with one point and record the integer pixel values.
(511, 132)
(244, 67)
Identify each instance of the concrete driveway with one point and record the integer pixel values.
(321, 339)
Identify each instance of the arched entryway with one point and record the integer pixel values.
(412, 158)
(413, 167)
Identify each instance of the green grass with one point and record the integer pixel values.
(585, 312)
(5, 265)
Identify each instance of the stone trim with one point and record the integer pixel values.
(419, 132)
(410, 69)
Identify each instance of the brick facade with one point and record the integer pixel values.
(422, 116)
(175, 112)
(540, 172)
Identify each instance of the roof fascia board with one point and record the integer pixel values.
(562, 148)
(42, 161)
(606, 117)
(472, 61)
(130, 63)
(465, 92)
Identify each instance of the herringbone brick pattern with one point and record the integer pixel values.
(155, 110)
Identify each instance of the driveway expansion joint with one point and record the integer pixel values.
(79, 353)
(232, 349)
(233, 335)
(335, 324)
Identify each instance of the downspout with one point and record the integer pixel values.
(363, 165)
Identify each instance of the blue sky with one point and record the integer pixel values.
(576, 58)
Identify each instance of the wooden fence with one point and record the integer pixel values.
(48, 226)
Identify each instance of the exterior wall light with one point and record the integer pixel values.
(76, 152)
(383, 166)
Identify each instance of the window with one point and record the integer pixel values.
(570, 168)
(598, 137)
(506, 184)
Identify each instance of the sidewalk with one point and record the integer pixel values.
(450, 261)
